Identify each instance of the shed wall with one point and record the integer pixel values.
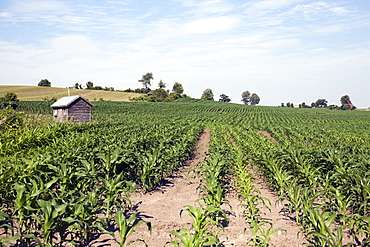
(79, 111)
(60, 114)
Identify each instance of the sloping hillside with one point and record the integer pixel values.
(35, 93)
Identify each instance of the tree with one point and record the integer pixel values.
(10, 96)
(89, 85)
(345, 100)
(303, 105)
(161, 84)
(177, 88)
(246, 97)
(145, 80)
(77, 86)
(224, 98)
(207, 94)
(159, 94)
(255, 99)
(44, 83)
(346, 103)
(321, 103)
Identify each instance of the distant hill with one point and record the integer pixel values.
(35, 93)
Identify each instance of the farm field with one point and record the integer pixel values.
(67, 184)
(35, 93)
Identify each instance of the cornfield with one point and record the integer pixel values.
(64, 184)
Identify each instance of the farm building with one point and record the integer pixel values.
(72, 108)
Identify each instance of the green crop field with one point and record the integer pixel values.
(35, 93)
(61, 183)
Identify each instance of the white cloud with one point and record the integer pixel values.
(269, 5)
(340, 10)
(207, 6)
(316, 10)
(5, 14)
(37, 6)
(277, 44)
(69, 49)
(329, 29)
(310, 11)
(209, 25)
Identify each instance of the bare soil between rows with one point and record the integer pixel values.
(162, 208)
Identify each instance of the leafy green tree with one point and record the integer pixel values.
(108, 88)
(161, 84)
(145, 80)
(44, 83)
(177, 88)
(97, 88)
(346, 103)
(333, 107)
(255, 99)
(77, 86)
(345, 100)
(246, 97)
(10, 96)
(89, 85)
(321, 103)
(207, 94)
(224, 98)
(159, 94)
(303, 105)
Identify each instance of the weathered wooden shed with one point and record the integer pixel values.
(72, 108)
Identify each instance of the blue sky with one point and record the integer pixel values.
(283, 50)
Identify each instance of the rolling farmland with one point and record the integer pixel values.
(36, 93)
(64, 184)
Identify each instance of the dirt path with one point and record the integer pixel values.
(234, 234)
(162, 207)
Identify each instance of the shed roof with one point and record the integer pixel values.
(66, 101)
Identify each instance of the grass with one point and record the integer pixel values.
(35, 93)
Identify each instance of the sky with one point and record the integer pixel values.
(283, 50)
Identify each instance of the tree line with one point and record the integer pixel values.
(89, 85)
(247, 97)
(161, 94)
(346, 104)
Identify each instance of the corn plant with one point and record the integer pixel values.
(126, 226)
(262, 234)
(82, 218)
(359, 228)
(49, 217)
(320, 233)
(113, 192)
(200, 233)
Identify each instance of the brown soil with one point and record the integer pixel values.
(268, 135)
(162, 208)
